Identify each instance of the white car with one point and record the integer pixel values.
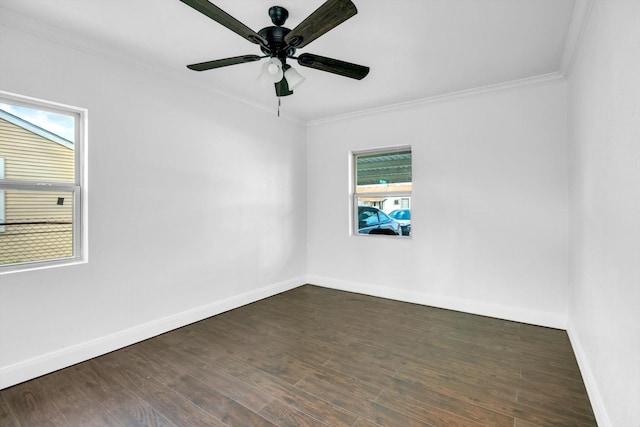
(403, 216)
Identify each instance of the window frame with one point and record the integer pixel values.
(354, 194)
(2, 203)
(78, 188)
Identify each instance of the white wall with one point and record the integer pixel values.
(604, 127)
(194, 208)
(489, 208)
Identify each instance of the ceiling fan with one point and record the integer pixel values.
(279, 43)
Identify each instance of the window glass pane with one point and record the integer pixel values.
(41, 184)
(1, 196)
(383, 183)
(390, 171)
(374, 218)
(386, 205)
(37, 226)
(367, 216)
(37, 145)
(403, 217)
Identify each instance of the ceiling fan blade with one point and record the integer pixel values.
(202, 66)
(334, 66)
(223, 18)
(328, 16)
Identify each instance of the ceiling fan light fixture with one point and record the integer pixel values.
(279, 43)
(293, 77)
(273, 68)
(271, 72)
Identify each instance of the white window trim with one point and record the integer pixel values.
(79, 188)
(2, 211)
(353, 195)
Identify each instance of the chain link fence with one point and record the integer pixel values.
(35, 240)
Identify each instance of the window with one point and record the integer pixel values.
(2, 227)
(42, 177)
(382, 188)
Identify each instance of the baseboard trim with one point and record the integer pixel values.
(595, 397)
(540, 318)
(40, 365)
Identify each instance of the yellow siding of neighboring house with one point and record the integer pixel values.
(28, 156)
(37, 205)
(33, 157)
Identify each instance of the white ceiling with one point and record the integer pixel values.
(416, 48)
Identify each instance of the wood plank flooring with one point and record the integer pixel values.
(319, 357)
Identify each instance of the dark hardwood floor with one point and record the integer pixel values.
(318, 357)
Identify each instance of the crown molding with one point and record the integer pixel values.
(95, 48)
(57, 35)
(579, 19)
(513, 84)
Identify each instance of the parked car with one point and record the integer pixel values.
(373, 221)
(403, 216)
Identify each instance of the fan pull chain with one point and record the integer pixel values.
(279, 102)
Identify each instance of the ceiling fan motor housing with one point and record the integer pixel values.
(279, 42)
(277, 47)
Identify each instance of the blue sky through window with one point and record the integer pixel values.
(59, 124)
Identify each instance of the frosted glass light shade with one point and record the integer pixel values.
(293, 77)
(271, 72)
